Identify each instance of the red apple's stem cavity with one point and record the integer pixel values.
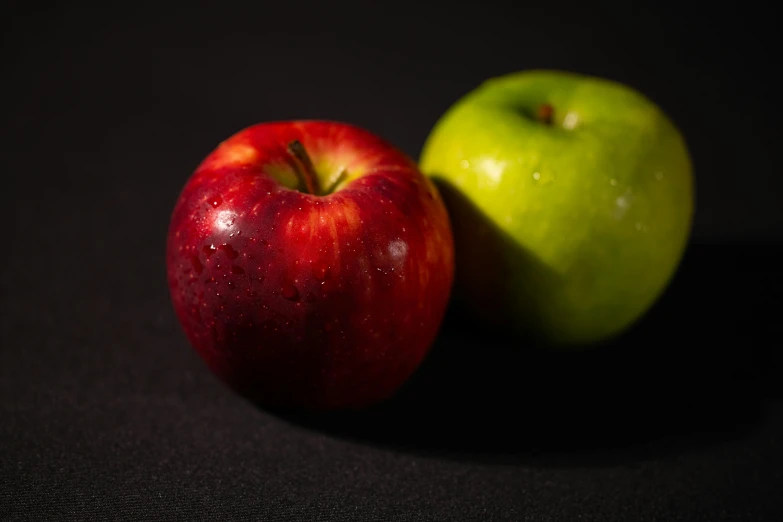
(304, 167)
(545, 113)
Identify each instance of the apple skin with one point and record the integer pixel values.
(567, 230)
(303, 301)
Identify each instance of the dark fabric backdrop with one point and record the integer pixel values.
(107, 414)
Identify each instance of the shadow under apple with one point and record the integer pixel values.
(685, 376)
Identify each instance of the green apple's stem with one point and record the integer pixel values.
(304, 167)
(545, 113)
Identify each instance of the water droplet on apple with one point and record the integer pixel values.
(289, 291)
(215, 201)
(613, 182)
(536, 176)
(209, 250)
(321, 271)
(229, 250)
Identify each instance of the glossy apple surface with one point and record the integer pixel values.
(310, 264)
(571, 200)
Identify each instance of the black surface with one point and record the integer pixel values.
(105, 411)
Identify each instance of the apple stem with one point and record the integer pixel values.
(545, 113)
(304, 167)
(338, 180)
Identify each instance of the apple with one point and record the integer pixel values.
(571, 198)
(310, 264)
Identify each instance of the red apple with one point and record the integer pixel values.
(310, 264)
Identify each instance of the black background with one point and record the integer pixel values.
(106, 413)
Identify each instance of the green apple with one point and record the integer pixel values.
(571, 198)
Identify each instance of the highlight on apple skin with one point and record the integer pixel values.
(310, 264)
